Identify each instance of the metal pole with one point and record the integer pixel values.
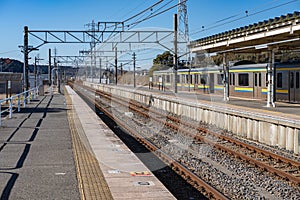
(92, 67)
(175, 58)
(134, 81)
(116, 65)
(49, 67)
(121, 69)
(225, 78)
(34, 71)
(270, 97)
(54, 61)
(25, 68)
(100, 70)
(58, 78)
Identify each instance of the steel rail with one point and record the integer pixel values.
(176, 166)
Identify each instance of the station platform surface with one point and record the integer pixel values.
(58, 148)
(36, 159)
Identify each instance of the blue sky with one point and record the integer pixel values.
(74, 14)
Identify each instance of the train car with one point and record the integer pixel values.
(163, 79)
(247, 81)
(287, 82)
(200, 79)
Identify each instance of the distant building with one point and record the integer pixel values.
(10, 82)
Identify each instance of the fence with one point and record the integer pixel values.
(16, 101)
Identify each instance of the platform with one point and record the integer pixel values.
(36, 159)
(126, 176)
(58, 148)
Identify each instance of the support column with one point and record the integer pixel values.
(100, 70)
(134, 58)
(270, 74)
(175, 58)
(116, 65)
(25, 68)
(226, 77)
(49, 67)
(34, 71)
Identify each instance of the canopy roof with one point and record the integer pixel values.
(280, 32)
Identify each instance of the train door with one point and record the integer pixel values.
(257, 87)
(211, 83)
(294, 86)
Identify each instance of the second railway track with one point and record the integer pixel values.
(286, 185)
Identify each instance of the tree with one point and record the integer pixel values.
(164, 59)
(162, 62)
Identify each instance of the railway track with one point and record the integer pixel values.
(276, 164)
(194, 180)
(280, 166)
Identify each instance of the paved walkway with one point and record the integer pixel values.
(36, 159)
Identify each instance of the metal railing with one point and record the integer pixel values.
(16, 101)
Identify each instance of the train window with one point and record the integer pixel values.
(279, 80)
(232, 79)
(255, 79)
(168, 79)
(203, 79)
(220, 79)
(297, 80)
(196, 78)
(243, 79)
(292, 79)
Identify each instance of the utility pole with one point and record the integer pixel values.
(134, 58)
(175, 58)
(121, 69)
(34, 71)
(49, 67)
(25, 68)
(100, 70)
(36, 60)
(54, 62)
(116, 65)
(58, 77)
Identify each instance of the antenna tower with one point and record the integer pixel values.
(183, 20)
(92, 28)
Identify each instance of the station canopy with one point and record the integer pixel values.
(282, 33)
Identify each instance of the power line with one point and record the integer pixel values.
(247, 15)
(154, 15)
(149, 8)
(150, 13)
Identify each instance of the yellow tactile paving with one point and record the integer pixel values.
(92, 184)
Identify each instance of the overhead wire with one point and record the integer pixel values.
(134, 16)
(154, 15)
(237, 19)
(154, 12)
(145, 10)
